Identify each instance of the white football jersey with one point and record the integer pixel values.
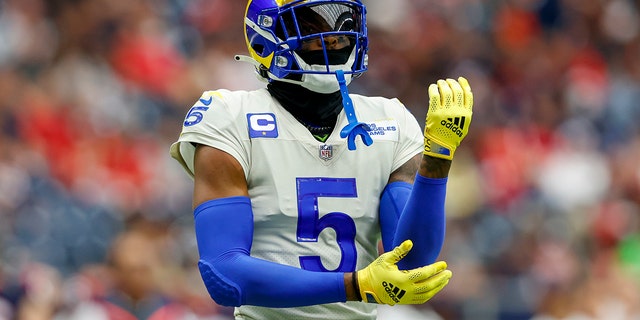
(315, 204)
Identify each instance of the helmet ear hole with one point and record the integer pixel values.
(259, 49)
(258, 46)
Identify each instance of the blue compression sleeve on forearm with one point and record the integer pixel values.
(423, 222)
(394, 198)
(224, 233)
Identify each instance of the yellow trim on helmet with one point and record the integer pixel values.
(244, 23)
(266, 61)
(283, 2)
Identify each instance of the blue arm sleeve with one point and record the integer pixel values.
(224, 233)
(394, 197)
(423, 221)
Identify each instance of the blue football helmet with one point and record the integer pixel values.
(278, 34)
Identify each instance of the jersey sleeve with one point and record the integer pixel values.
(214, 120)
(411, 140)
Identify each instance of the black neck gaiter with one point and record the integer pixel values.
(309, 107)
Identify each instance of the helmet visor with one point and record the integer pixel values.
(306, 20)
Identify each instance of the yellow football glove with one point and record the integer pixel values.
(448, 118)
(381, 281)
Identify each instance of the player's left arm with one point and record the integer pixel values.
(419, 207)
(398, 190)
(394, 197)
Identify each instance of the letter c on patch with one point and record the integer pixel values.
(262, 125)
(262, 122)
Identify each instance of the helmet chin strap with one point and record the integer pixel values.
(354, 128)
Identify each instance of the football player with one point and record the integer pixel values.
(295, 184)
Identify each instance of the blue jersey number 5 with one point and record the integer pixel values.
(310, 225)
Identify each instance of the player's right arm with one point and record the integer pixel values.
(224, 231)
(217, 175)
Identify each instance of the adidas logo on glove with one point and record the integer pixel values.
(454, 124)
(394, 292)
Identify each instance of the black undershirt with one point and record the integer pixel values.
(318, 112)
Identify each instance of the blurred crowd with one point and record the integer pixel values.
(544, 195)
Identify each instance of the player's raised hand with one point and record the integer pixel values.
(382, 282)
(448, 118)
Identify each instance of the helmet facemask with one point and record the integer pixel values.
(306, 42)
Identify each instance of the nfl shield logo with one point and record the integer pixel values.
(326, 152)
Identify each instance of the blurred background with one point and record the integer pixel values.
(543, 199)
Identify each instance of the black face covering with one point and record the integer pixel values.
(311, 108)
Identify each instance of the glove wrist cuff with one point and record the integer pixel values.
(435, 148)
(356, 286)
